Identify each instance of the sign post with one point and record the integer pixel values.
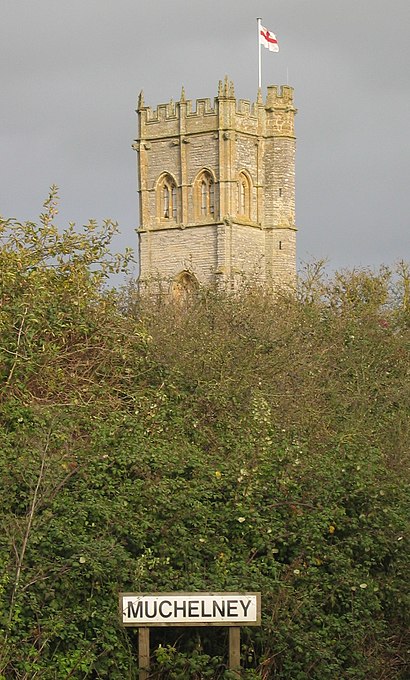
(235, 649)
(147, 610)
(143, 653)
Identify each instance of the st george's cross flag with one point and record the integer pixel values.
(268, 39)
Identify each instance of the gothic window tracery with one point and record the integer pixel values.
(167, 198)
(206, 194)
(244, 195)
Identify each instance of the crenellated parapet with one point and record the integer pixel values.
(279, 96)
(172, 110)
(280, 111)
(224, 111)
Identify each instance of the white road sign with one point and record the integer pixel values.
(190, 609)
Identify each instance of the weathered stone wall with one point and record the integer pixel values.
(280, 249)
(166, 253)
(248, 252)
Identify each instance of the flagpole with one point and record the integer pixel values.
(259, 19)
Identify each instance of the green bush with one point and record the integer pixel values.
(244, 442)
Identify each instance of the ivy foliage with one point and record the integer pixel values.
(243, 442)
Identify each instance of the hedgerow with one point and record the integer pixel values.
(243, 441)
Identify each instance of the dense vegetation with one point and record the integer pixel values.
(238, 442)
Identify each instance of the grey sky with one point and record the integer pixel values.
(71, 70)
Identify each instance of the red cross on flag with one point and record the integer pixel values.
(268, 39)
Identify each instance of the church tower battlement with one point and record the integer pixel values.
(217, 190)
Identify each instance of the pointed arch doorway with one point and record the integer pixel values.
(184, 287)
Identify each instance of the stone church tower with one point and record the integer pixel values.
(217, 191)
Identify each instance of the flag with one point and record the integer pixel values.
(268, 39)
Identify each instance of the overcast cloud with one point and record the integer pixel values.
(71, 71)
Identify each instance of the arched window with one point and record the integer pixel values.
(204, 197)
(167, 198)
(165, 202)
(174, 202)
(244, 195)
(183, 287)
(206, 194)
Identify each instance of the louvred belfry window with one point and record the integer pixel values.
(207, 194)
(244, 196)
(174, 202)
(165, 212)
(167, 195)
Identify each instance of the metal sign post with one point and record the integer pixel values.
(147, 610)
